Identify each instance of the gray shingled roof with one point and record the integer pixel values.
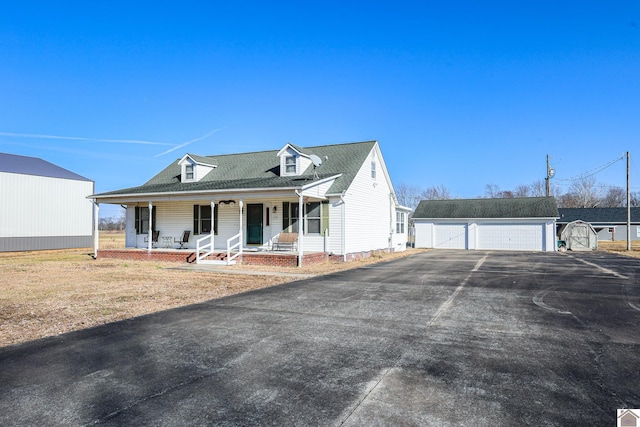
(519, 207)
(259, 170)
(598, 215)
(12, 163)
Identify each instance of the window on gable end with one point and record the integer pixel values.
(373, 169)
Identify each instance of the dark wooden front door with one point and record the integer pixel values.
(254, 224)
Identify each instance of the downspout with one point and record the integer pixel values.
(391, 214)
(96, 228)
(344, 238)
(150, 236)
(300, 227)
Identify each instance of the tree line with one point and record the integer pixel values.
(582, 193)
(112, 223)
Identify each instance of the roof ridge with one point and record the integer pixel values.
(275, 151)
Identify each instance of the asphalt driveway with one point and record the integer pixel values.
(440, 338)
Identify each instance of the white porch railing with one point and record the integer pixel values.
(201, 246)
(237, 237)
(204, 248)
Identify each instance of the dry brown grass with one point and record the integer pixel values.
(620, 247)
(47, 293)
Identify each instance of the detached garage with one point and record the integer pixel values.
(516, 224)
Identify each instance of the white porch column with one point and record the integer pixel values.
(96, 226)
(300, 228)
(213, 223)
(150, 236)
(241, 204)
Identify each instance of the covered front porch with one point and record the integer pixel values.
(229, 228)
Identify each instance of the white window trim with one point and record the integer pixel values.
(185, 175)
(295, 164)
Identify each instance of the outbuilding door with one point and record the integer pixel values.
(511, 236)
(450, 236)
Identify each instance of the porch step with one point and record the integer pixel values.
(215, 262)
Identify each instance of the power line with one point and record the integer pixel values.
(594, 171)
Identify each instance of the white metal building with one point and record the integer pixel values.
(43, 206)
(526, 223)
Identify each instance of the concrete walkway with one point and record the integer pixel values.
(227, 270)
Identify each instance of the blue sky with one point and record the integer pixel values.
(460, 94)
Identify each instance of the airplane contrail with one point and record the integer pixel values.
(184, 144)
(78, 138)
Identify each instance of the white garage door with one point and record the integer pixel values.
(523, 237)
(450, 236)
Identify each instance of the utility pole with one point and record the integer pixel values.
(550, 173)
(628, 201)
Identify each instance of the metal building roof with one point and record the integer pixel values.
(12, 163)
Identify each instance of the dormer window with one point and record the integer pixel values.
(290, 165)
(188, 173)
(194, 168)
(294, 160)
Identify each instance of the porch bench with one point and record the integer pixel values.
(286, 242)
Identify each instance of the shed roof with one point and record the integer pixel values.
(601, 216)
(519, 207)
(13, 163)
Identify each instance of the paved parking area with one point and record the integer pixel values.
(440, 338)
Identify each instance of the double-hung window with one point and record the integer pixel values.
(400, 219)
(315, 218)
(203, 221)
(189, 172)
(142, 220)
(290, 164)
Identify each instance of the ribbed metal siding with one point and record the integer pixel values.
(44, 213)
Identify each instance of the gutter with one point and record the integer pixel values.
(194, 193)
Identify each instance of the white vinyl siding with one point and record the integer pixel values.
(368, 211)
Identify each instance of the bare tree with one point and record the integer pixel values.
(635, 199)
(523, 191)
(408, 195)
(615, 197)
(436, 192)
(492, 191)
(583, 193)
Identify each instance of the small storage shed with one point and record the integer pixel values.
(579, 236)
(521, 224)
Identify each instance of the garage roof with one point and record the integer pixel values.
(599, 216)
(518, 207)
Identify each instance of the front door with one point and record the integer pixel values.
(254, 224)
